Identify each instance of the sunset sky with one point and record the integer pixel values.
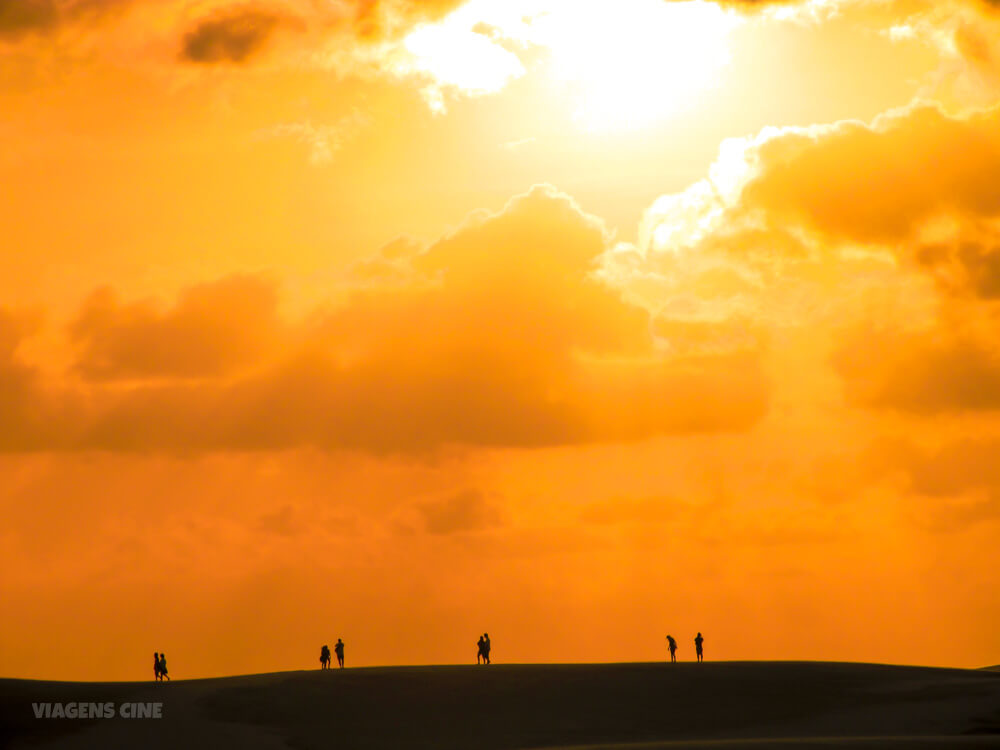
(579, 322)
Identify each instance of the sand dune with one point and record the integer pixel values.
(649, 706)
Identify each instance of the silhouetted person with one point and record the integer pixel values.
(481, 653)
(339, 648)
(324, 657)
(163, 667)
(672, 645)
(156, 666)
(486, 647)
(697, 647)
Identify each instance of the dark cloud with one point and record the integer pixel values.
(236, 33)
(20, 17)
(467, 511)
(234, 36)
(928, 372)
(964, 266)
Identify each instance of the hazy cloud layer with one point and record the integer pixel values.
(931, 372)
(468, 510)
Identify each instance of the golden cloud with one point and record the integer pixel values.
(502, 337)
(907, 199)
(213, 329)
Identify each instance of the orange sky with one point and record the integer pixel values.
(579, 323)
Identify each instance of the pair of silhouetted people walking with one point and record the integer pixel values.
(324, 655)
(698, 650)
(160, 667)
(483, 656)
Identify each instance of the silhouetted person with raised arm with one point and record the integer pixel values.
(338, 647)
(481, 653)
(697, 647)
(324, 657)
(163, 667)
(486, 647)
(156, 666)
(672, 645)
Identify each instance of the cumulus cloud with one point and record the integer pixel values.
(502, 335)
(879, 183)
(847, 182)
(902, 205)
(964, 34)
(212, 329)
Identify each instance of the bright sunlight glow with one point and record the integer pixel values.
(622, 64)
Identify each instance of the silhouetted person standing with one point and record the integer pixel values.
(324, 657)
(163, 667)
(481, 653)
(339, 649)
(486, 647)
(156, 666)
(672, 645)
(697, 647)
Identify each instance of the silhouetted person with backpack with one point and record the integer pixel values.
(481, 653)
(163, 667)
(672, 645)
(324, 657)
(697, 647)
(339, 649)
(156, 667)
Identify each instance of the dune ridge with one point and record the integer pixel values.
(566, 706)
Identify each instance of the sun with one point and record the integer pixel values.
(631, 63)
(619, 64)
